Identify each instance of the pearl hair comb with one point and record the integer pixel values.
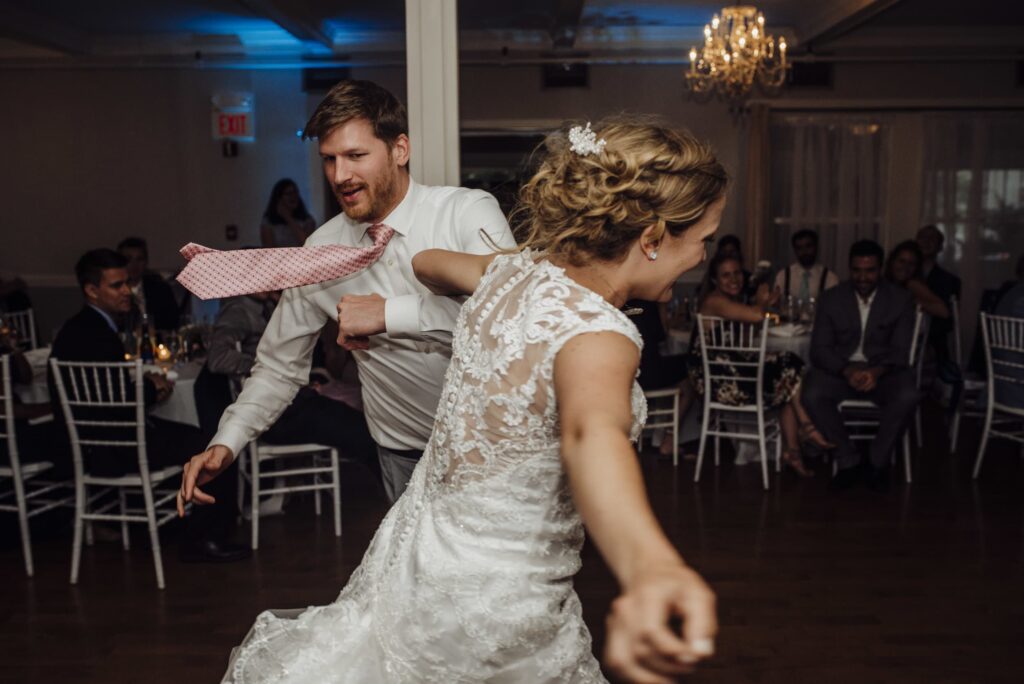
(584, 141)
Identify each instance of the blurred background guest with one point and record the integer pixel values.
(722, 297)
(730, 246)
(805, 278)
(286, 222)
(14, 295)
(942, 283)
(860, 349)
(903, 268)
(151, 295)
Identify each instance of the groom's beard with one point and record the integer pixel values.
(380, 197)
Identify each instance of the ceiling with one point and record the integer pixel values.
(269, 33)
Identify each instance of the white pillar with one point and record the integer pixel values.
(432, 66)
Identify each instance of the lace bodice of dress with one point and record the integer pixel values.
(498, 413)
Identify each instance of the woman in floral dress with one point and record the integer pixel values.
(722, 297)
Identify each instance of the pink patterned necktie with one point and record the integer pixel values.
(212, 273)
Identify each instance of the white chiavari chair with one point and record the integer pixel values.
(322, 474)
(733, 352)
(663, 412)
(1003, 339)
(103, 406)
(969, 403)
(29, 495)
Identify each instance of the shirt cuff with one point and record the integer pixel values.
(232, 437)
(402, 315)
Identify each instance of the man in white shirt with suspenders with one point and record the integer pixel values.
(805, 279)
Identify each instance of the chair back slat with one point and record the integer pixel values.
(958, 350)
(7, 403)
(99, 407)
(727, 345)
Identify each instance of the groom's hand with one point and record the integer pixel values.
(200, 469)
(359, 316)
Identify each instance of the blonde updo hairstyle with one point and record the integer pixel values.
(582, 207)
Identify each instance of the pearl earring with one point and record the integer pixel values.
(654, 255)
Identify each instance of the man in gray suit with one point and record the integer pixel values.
(860, 349)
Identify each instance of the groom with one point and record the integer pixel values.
(399, 333)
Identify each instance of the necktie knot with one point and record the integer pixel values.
(380, 233)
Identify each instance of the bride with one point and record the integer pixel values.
(469, 577)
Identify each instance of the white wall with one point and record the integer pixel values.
(91, 156)
(94, 156)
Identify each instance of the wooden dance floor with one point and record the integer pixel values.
(923, 584)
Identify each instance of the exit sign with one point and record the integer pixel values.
(234, 117)
(234, 126)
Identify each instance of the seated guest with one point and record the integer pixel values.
(730, 245)
(860, 349)
(13, 295)
(997, 295)
(721, 297)
(151, 294)
(942, 283)
(311, 417)
(91, 335)
(805, 278)
(904, 269)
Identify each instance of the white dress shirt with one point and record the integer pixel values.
(865, 310)
(402, 372)
(796, 274)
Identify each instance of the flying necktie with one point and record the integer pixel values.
(212, 273)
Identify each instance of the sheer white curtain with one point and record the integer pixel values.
(973, 190)
(829, 173)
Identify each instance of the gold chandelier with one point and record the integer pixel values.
(737, 53)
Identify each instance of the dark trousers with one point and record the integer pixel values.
(896, 395)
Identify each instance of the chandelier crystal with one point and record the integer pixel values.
(737, 52)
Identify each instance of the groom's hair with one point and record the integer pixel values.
(354, 99)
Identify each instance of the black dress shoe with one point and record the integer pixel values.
(878, 479)
(845, 479)
(213, 552)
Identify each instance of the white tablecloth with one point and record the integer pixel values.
(678, 342)
(180, 407)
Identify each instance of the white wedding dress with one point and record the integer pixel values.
(469, 577)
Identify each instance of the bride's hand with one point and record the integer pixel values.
(641, 645)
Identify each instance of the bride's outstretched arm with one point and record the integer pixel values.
(593, 379)
(450, 273)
